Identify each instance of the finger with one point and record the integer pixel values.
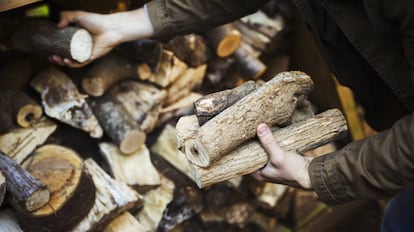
(73, 64)
(57, 60)
(268, 142)
(67, 17)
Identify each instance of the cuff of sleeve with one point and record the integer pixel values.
(326, 181)
(159, 16)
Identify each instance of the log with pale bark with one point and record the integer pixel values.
(212, 104)
(2, 187)
(190, 48)
(252, 37)
(125, 222)
(107, 71)
(118, 123)
(62, 100)
(143, 101)
(251, 156)
(112, 199)
(264, 24)
(72, 191)
(273, 103)
(25, 190)
(20, 142)
(136, 169)
(224, 39)
(44, 37)
(248, 64)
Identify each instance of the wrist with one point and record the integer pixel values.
(304, 177)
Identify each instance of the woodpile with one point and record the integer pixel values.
(155, 136)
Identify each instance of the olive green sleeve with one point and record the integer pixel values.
(172, 17)
(377, 167)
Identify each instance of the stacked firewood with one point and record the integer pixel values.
(98, 148)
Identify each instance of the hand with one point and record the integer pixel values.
(107, 30)
(287, 168)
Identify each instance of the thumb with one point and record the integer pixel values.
(268, 141)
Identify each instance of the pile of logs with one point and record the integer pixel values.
(101, 148)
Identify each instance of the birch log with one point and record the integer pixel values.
(191, 49)
(251, 156)
(273, 103)
(224, 39)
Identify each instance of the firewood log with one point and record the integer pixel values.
(2, 187)
(253, 37)
(185, 84)
(43, 37)
(135, 169)
(24, 110)
(218, 69)
(191, 49)
(72, 191)
(125, 222)
(118, 123)
(212, 104)
(248, 64)
(273, 103)
(262, 23)
(105, 72)
(62, 100)
(143, 102)
(224, 39)
(25, 190)
(112, 199)
(20, 142)
(8, 221)
(271, 194)
(251, 156)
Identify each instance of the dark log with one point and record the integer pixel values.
(190, 48)
(2, 187)
(218, 69)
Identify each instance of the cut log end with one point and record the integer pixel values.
(38, 199)
(132, 141)
(197, 153)
(229, 44)
(29, 115)
(81, 45)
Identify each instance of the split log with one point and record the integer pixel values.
(185, 84)
(20, 142)
(8, 221)
(72, 191)
(224, 39)
(125, 222)
(43, 37)
(112, 199)
(136, 169)
(191, 49)
(273, 103)
(218, 69)
(250, 157)
(262, 23)
(248, 63)
(143, 102)
(62, 100)
(2, 187)
(212, 104)
(23, 110)
(25, 190)
(105, 72)
(118, 123)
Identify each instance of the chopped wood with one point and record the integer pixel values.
(262, 23)
(72, 191)
(191, 49)
(185, 84)
(251, 156)
(43, 37)
(248, 64)
(125, 222)
(218, 69)
(8, 221)
(273, 103)
(25, 190)
(212, 104)
(20, 142)
(112, 199)
(143, 101)
(105, 72)
(2, 187)
(224, 39)
(271, 194)
(136, 169)
(253, 37)
(62, 100)
(118, 123)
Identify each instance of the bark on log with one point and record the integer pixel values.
(250, 157)
(273, 103)
(135, 170)
(143, 102)
(43, 37)
(112, 199)
(248, 64)
(72, 191)
(62, 100)
(2, 187)
(224, 39)
(212, 104)
(262, 23)
(252, 37)
(125, 222)
(20, 142)
(105, 72)
(191, 49)
(25, 190)
(218, 69)
(118, 124)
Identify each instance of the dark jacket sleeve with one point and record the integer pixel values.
(172, 17)
(382, 165)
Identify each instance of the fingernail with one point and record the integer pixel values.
(261, 129)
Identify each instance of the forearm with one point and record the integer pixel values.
(377, 167)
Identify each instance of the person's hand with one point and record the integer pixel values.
(107, 30)
(287, 168)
